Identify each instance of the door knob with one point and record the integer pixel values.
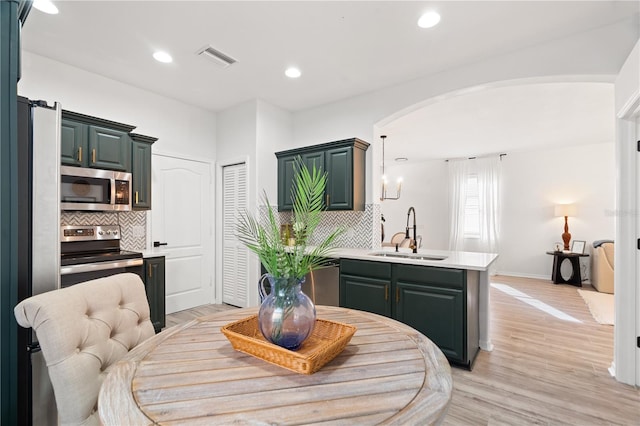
(158, 244)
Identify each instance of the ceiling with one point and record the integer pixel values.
(343, 48)
(505, 119)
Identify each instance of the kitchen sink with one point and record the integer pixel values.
(416, 256)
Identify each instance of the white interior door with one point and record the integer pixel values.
(181, 218)
(637, 310)
(235, 256)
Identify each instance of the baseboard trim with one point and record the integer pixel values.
(521, 275)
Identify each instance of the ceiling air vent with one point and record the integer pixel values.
(217, 56)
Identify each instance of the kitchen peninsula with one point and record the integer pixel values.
(443, 294)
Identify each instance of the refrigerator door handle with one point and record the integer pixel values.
(33, 347)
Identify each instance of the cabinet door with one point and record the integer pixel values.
(154, 285)
(141, 175)
(436, 312)
(339, 192)
(286, 173)
(365, 294)
(109, 149)
(314, 159)
(286, 176)
(73, 143)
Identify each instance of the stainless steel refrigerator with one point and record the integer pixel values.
(38, 247)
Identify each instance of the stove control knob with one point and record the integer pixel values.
(100, 232)
(115, 232)
(108, 232)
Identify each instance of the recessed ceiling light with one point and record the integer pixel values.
(429, 19)
(400, 159)
(163, 57)
(292, 72)
(46, 6)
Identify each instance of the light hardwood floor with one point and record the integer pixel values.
(543, 370)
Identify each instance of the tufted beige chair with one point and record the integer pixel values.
(602, 267)
(83, 330)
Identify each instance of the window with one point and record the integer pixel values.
(472, 208)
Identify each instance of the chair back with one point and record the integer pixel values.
(82, 331)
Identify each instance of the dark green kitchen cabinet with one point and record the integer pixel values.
(344, 161)
(432, 300)
(286, 175)
(93, 142)
(109, 149)
(73, 143)
(154, 282)
(441, 303)
(141, 171)
(365, 286)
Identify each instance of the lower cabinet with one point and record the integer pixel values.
(441, 303)
(154, 272)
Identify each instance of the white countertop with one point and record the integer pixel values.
(153, 253)
(453, 259)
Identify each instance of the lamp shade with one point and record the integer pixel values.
(566, 210)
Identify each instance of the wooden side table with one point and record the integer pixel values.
(559, 258)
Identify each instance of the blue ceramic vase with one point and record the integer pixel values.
(287, 315)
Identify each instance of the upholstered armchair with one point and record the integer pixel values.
(602, 266)
(82, 331)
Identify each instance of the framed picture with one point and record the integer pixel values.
(577, 246)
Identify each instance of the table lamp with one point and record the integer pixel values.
(566, 210)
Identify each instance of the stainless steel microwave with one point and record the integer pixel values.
(94, 189)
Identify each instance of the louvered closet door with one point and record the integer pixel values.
(235, 256)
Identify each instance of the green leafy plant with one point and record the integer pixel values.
(279, 259)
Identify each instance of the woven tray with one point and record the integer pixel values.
(327, 340)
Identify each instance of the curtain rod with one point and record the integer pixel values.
(473, 158)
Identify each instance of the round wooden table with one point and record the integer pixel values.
(189, 374)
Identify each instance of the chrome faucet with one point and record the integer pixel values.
(414, 244)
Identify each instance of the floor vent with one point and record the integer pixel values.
(217, 56)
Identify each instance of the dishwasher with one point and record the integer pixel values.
(323, 284)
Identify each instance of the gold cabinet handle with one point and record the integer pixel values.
(150, 271)
(93, 155)
(386, 292)
(327, 197)
(397, 294)
(80, 153)
(136, 197)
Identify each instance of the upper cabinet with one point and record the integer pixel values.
(141, 171)
(88, 141)
(344, 162)
(93, 142)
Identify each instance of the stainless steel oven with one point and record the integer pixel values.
(89, 252)
(94, 189)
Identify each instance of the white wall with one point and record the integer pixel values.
(358, 116)
(180, 128)
(275, 133)
(424, 188)
(533, 182)
(255, 130)
(252, 132)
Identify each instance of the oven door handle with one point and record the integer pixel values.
(99, 266)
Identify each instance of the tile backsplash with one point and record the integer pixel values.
(359, 224)
(128, 221)
(360, 232)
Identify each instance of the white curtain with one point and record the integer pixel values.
(487, 170)
(458, 172)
